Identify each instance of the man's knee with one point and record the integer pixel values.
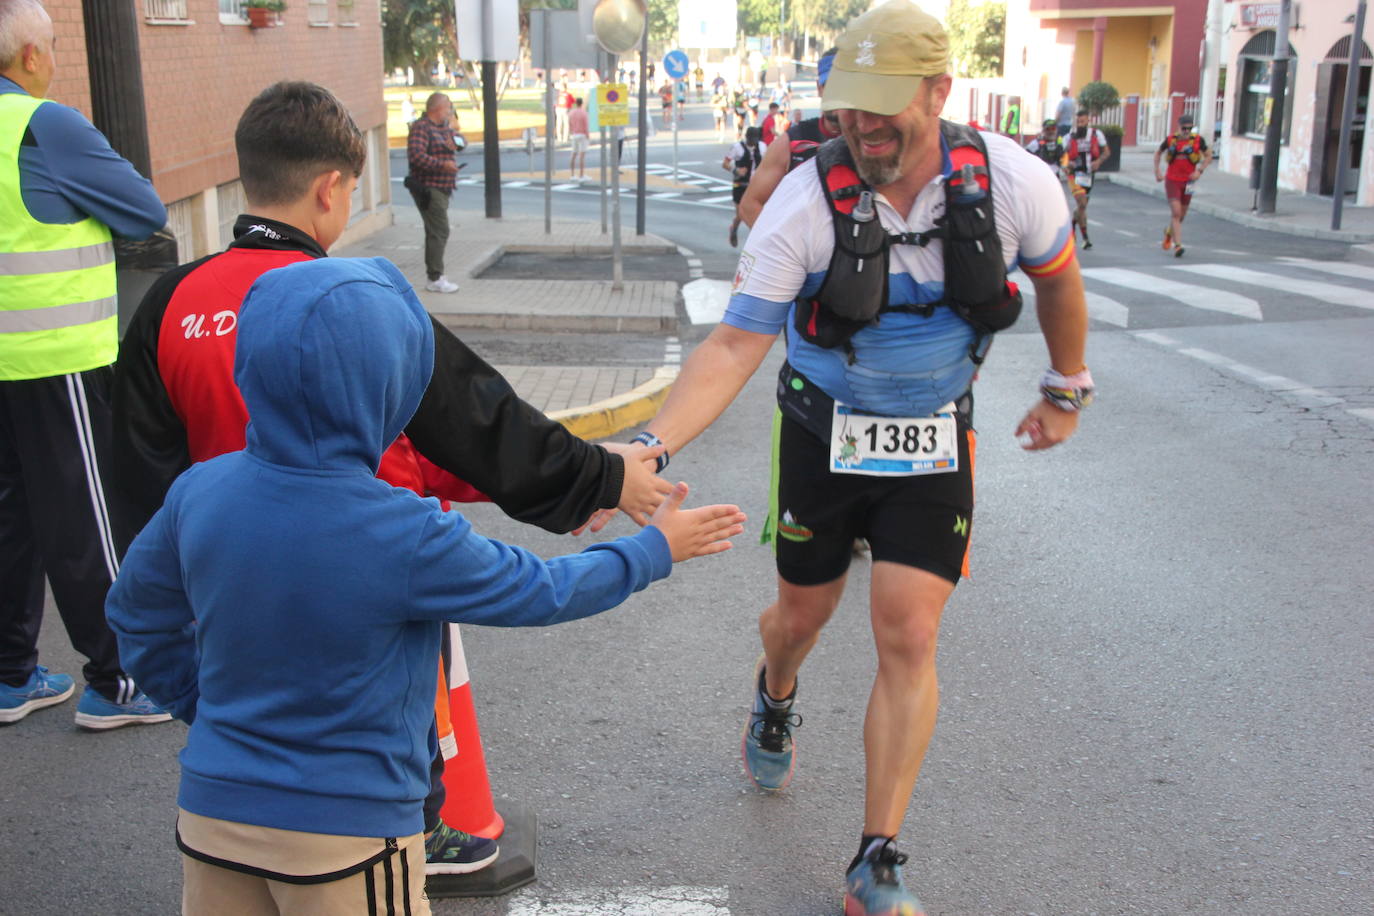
(803, 610)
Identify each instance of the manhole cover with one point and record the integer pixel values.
(535, 266)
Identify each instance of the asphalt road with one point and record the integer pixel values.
(1156, 687)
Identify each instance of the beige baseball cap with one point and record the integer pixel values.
(882, 57)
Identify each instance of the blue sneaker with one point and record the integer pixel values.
(874, 886)
(453, 852)
(97, 713)
(41, 689)
(768, 750)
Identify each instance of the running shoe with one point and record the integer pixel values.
(41, 689)
(453, 852)
(734, 237)
(1168, 239)
(768, 750)
(1178, 252)
(874, 887)
(99, 714)
(1087, 243)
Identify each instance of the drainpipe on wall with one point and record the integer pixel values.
(1099, 45)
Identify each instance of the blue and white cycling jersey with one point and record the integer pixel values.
(905, 364)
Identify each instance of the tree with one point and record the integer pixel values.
(663, 21)
(416, 32)
(1098, 97)
(977, 36)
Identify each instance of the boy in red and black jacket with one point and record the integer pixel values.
(175, 401)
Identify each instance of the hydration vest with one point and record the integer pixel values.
(854, 293)
(1093, 145)
(1050, 151)
(1192, 148)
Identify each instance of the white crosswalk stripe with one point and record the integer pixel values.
(1188, 293)
(1249, 276)
(1339, 268)
(1108, 311)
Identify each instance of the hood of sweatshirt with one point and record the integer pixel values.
(332, 358)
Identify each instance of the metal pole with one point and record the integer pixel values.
(643, 124)
(116, 79)
(491, 137)
(1211, 72)
(1352, 81)
(1273, 136)
(676, 83)
(617, 268)
(548, 128)
(601, 189)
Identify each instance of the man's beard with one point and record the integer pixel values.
(877, 171)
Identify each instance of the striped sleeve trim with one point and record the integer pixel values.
(1053, 264)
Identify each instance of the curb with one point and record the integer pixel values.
(1246, 219)
(608, 417)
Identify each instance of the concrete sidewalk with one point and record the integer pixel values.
(1229, 197)
(592, 401)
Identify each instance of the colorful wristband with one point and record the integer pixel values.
(649, 439)
(1068, 392)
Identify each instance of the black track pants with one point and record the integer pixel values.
(54, 438)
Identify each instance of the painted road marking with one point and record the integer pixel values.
(1330, 292)
(1339, 268)
(628, 901)
(1269, 381)
(1187, 293)
(1106, 310)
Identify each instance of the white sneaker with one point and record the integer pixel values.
(442, 285)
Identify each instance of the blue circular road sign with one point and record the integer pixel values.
(676, 64)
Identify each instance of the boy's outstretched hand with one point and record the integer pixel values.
(696, 532)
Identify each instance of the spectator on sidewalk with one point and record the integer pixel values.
(65, 194)
(176, 403)
(1011, 120)
(563, 103)
(1064, 112)
(433, 156)
(581, 139)
(287, 605)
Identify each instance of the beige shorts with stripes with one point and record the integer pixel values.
(233, 869)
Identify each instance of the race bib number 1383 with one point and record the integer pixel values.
(863, 443)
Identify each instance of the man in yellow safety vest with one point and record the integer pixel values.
(64, 193)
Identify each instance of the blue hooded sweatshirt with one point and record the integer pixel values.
(288, 604)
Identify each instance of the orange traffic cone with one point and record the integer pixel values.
(468, 803)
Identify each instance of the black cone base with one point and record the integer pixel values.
(513, 868)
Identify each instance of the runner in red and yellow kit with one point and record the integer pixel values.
(1188, 157)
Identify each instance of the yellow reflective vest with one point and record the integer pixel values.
(57, 282)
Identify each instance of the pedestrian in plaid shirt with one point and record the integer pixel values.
(432, 152)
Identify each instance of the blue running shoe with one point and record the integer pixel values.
(97, 713)
(874, 886)
(41, 689)
(768, 750)
(453, 852)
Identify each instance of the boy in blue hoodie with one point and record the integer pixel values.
(267, 566)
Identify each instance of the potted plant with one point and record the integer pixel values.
(263, 13)
(1097, 97)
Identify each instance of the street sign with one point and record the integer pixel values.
(676, 64)
(613, 104)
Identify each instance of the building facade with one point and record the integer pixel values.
(1146, 48)
(202, 63)
(1319, 41)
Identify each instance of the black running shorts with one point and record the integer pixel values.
(922, 521)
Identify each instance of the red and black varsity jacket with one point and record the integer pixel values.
(175, 402)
